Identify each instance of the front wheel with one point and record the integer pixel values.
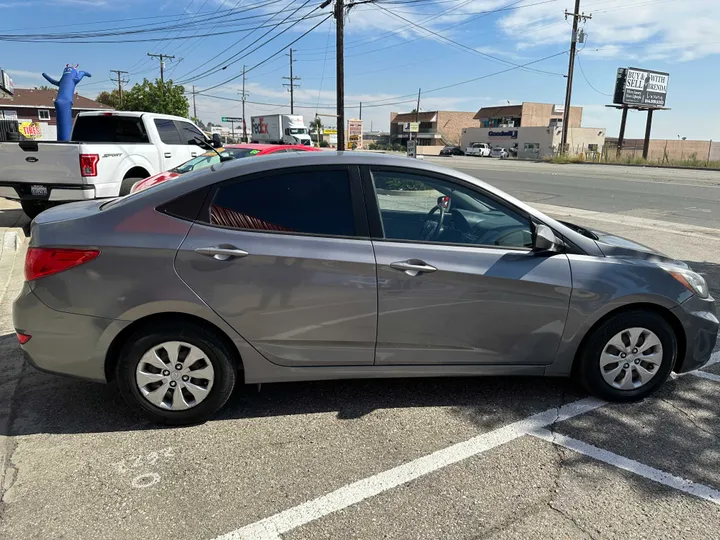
(628, 356)
(177, 374)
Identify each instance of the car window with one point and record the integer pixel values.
(310, 202)
(188, 132)
(407, 203)
(198, 163)
(167, 131)
(109, 129)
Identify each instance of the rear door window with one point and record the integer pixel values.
(301, 202)
(167, 131)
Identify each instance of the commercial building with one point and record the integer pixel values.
(437, 128)
(35, 108)
(535, 130)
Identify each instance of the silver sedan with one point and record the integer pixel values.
(345, 265)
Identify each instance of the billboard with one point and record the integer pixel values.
(6, 83)
(355, 133)
(642, 87)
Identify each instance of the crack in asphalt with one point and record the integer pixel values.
(689, 417)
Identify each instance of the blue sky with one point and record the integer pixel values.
(387, 57)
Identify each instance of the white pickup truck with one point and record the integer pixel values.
(478, 149)
(108, 153)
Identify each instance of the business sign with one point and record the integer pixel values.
(643, 87)
(355, 133)
(30, 130)
(411, 127)
(512, 133)
(231, 119)
(6, 83)
(412, 148)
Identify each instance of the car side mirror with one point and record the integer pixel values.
(545, 239)
(216, 142)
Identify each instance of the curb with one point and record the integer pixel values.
(641, 166)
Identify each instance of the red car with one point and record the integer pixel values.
(235, 151)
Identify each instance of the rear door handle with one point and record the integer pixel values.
(168, 154)
(413, 267)
(221, 253)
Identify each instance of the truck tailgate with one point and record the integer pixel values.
(40, 162)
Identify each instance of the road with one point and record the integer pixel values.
(402, 459)
(673, 195)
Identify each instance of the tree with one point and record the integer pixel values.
(316, 123)
(111, 99)
(44, 87)
(199, 123)
(157, 98)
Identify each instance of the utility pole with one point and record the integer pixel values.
(291, 84)
(361, 110)
(162, 58)
(194, 106)
(576, 16)
(243, 96)
(340, 72)
(417, 113)
(119, 81)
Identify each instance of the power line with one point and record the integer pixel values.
(586, 79)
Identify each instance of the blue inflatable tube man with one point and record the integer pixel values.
(64, 101)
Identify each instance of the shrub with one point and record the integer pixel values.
(400, 184)
(324, 144)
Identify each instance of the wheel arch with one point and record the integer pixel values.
(662, 311)
(113, 353)
(137, 171)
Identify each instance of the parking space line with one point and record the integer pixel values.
(272, 527)
(692, 488)
(706, 375)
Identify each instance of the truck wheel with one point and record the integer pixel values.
(33, 208)
(127, 185)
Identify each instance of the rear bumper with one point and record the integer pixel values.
(699, 319)
(55, 192)
(64, 343)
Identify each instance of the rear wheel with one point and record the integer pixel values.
(33, 208)
(127, 185)
(176, 375)
(628, 356)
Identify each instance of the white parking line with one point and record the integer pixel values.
(656, 475)
(272, 527)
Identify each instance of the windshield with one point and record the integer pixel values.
(298, 131)
(211, 158)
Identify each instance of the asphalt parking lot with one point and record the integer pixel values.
(435, 458)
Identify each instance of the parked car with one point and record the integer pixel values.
(478, 149)
(249, 271)
(499, 152)
(452, 151)
(228, 152)
(109, 152)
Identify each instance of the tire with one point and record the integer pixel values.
(127, 185)
(33, 208)
(208, 343)
(589, 372)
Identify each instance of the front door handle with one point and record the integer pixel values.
(221, 253)
(168, 154)
(413, 267)
(193, 154)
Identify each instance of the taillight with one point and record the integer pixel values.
(42, 262)
(88, 164)
(23, 338)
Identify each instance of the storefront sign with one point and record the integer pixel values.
(355, 138)
(411, 127)
(512, 133)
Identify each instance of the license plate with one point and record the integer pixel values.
(38, 191)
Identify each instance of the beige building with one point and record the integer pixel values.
(528, 114)
(437, 128)
(666, 149)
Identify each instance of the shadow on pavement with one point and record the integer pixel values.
(46, 403)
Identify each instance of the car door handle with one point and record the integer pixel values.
(413, 267)
(221, 253)
(168, 154)
(193, 154)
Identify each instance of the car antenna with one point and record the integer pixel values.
(205, 144)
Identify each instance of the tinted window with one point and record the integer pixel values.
(109, 129)
(408, 211)
(167, 131)
(188, 132)
(316, 202)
